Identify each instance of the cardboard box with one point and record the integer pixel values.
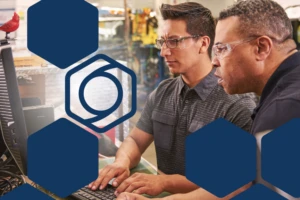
(30, 61)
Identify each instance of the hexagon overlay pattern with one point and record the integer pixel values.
(25, 192)
(62, 157)
(61, 34)
(221, 157)
(258, 191)
(280, 157)
(101, 114)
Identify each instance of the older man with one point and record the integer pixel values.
(263, 59)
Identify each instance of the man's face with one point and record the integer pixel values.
(234, 58)
(186, 55)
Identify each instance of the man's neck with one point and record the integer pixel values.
(271, 66)
(196, 74)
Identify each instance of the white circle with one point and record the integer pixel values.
(100, 93)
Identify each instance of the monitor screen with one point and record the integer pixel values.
(12, 120)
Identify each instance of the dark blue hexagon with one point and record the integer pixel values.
(281, 157)
(220, 157)
(101, 114)
(25, 192)
(62, 157)
(62, 32)
(258, 191)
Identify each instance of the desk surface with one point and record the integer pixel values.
(143, 167)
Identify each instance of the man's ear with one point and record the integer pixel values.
(263, 48)
(204, 43)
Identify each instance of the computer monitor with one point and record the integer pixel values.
(12, 120)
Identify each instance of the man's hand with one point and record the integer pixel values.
(142, 184)
(130, 196)
(109, 172)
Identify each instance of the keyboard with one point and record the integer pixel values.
(88, 194)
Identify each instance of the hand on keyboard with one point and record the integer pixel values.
(141, 183)
(88, 194)
(115, 170)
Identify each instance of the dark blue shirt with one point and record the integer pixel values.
(280, 99)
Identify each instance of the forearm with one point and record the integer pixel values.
(177, 184)
(128, 153)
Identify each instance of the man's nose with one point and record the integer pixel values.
(215, 62)
(165, 51)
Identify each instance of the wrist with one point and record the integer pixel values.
(165, 182)
(123, 162)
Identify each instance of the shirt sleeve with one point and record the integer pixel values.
(145, 121)
(239, 113)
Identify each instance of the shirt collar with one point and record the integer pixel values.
(204, 87)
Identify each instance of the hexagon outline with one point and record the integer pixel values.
(112, 64)
(103, 72)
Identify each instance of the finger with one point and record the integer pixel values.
(130, 196)
(92, 183)
(141, 190)
(127, 196)
(113, 173)
(124, 185)
(123, 196)
(120, 179)
(134, 186)
(102, 175)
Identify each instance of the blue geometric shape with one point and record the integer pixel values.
(25, 192)
(62, 34)
(101, 114)
(101, 72)
(220, 157)
(62, 157)
(281, 157)
(258, 191)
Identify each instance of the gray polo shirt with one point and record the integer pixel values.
(173, 111)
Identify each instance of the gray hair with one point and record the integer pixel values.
(261, 17)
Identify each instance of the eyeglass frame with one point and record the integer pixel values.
(230, 46)
(177, 40)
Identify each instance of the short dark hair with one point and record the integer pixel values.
(198, 19)
(261, 17)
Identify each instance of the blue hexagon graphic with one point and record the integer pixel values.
(101, 72)
(281, 157)
(25, 192)
(258, 191)
(62, 157)
(220, 157)
(62, 34)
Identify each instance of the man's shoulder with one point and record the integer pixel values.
(165, 86)
(289, 85)
(168, 82)
(169, 85)
(220, 94)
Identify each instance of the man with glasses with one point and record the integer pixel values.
(178, 107)
(263, 59)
